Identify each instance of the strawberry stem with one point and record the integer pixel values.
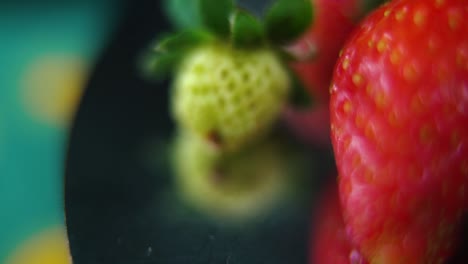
(286, 20)
(215, 15)
(246, 30)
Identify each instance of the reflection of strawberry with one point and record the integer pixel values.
(399, 107)
(330, 244)
(235, 186)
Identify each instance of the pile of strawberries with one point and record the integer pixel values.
(390, 88)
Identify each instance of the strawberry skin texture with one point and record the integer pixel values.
(330, 243)
(399, 126)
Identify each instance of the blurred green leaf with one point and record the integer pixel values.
(215, 15)
(163, 55)
(182, 41)
(183, 14)
(287, 20)
(246, 30)
(155, 66)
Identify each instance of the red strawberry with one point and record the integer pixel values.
(311, 125)
(399, 120)
(333, 22)
(330, 244)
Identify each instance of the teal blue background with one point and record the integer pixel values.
(32, 153)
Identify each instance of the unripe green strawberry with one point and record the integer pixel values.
(231, 79)
(229, 96)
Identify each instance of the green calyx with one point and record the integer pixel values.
(165, 54)
(215, 15)
(286, 20)
(246, 30)
(282, 23)
(224, 21)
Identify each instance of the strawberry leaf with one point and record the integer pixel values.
(183, 41)
(163, 56)
(157, 65)
(215, 15)
(246, 30)
(182, 14)
(286, 20)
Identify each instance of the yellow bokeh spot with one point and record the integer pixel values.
(49, 247)
(53, 86)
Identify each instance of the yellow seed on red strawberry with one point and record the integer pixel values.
(401, 148)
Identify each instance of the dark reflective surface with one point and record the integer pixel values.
(122, 203)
